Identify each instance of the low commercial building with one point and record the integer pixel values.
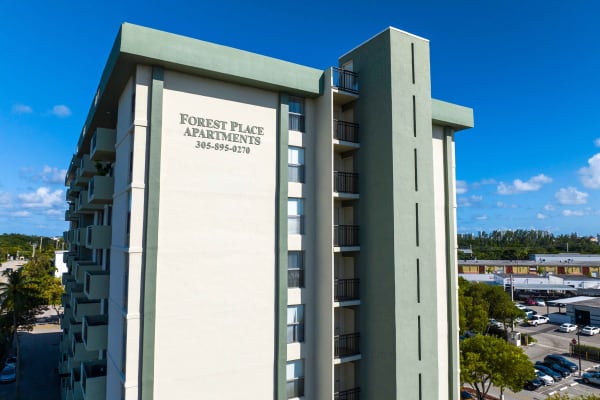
(245, 227)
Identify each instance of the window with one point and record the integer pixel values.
(295, 164)
(295, 216)
(296, 269)
(296, 114)
(295, 378)
(295, 324)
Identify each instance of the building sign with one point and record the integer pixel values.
(219, 135)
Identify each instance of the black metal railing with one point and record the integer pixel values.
(345, 182)
(347, 345)
(296, 122)
(351, 394)
(295, 388)
(295, 278)
(345, 235)
(295, 333)
(346, 131)
(296, 173)
(295, 224)
(345, 80)
(346, 289)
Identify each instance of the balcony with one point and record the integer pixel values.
(100, 189)
(102, 145)
(82, 307)
(295, 388)
(345, 235)
(81, 267)
(346, 131)
(83, 205)
(351, 394)
(295, 224)
(96, 284)
(95, 332)
(74, 392)
(346, 289)
(344, 80)
(346, 345)
(98, 237)
(86, 168)
(78, 353)
(71, 214)
(295, 278)
(65, 320)
(93, 380)
(67, 278)
(345, 182)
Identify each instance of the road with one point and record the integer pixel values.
(37, 365)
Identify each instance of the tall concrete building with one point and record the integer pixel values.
(245, 227)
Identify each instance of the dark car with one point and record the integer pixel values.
(562, 361)
(8, 374)
(558, 368)
(549, 371)
(533, 384)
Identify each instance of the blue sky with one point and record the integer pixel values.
(529, 69)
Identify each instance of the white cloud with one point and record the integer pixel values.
(22, 109)
(571, 195)
(590, 176)
(5, 199)
(42, 198)
(481, 218)
(549, 207)
(573, 213)
(597, 142)
(53, 174)
(21, 214)
(541, 216)
(501, 204)
(518, 186)
(61, 111)
(461, 187)
(468, 201)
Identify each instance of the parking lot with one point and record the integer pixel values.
(551, 341)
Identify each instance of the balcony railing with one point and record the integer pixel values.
(345, 80)
(295, 224)
(346, 131)
(296, 173)
(296, 122)
(346, 289)
(346, 345)
(295, 388)
(345, 235)
(295, 333)
(295, 278)
(345, 182)
(351, 394)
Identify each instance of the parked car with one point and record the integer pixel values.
(590, 330)
(533, 384)
(566, 327)
(540, 302)
(535, 320)
(591, 377)
(8, 374)
(11, 360)
(547, 379)
(530, 302)
(555, 367)
(550, 372)
(494, 323)
(465, 395)
(520, 306)
(562, 361)
(529, 312)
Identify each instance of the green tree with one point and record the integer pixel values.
(52, 290)
(487, 361)
(567, 397)
(21, 300)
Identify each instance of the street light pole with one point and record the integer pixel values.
(579, 347)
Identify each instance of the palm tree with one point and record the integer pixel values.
(20, 298)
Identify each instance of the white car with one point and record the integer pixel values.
(535, 320)
(590, 330)
(547, 379)
(520, 306)
(566, 327)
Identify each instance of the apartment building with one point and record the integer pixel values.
(245, 227)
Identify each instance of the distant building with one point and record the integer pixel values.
(245, 227)
(59, 263)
